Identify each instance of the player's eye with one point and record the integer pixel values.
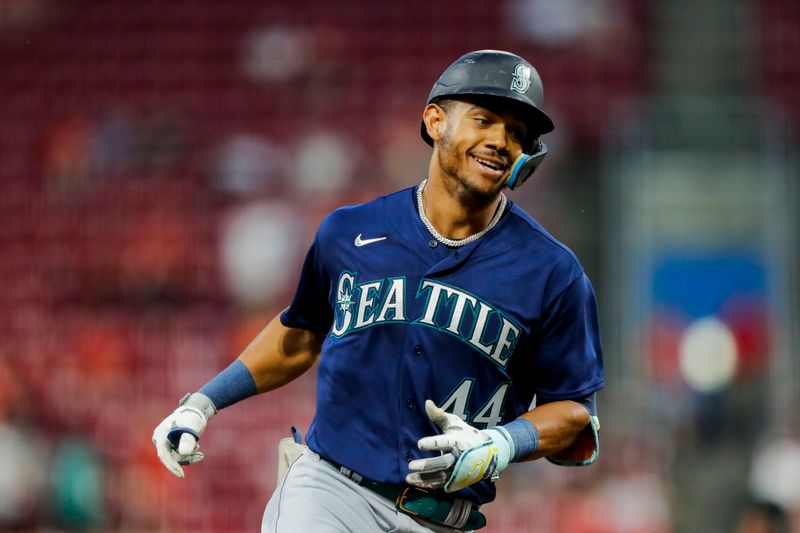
(483, 121)
(518, 134)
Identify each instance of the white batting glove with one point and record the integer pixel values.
(468, 455)
(176, 437)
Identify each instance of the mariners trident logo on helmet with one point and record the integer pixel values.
(522, 78)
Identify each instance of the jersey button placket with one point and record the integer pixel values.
(410, 404)
(433, 243)
(418, 350)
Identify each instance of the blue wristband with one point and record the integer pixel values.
(233, 384)
(524, 436)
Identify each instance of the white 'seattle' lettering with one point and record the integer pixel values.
(453, 311)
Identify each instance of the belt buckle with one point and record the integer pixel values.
(403, 496)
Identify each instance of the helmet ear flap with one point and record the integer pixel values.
(525, 165)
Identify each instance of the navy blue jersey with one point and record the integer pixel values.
(480, 330)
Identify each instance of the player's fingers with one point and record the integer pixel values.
(431, 481)
(186, 460)
(438, 416)
(176, 433)
(432, 464)
(442, 418)
(427, 482)
(168, 459)
(437, 443)
(187, 444)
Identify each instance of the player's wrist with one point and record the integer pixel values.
(234, 384)
(523, 436)
(199, 402)
(504, 445)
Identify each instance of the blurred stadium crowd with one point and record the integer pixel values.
(163, 166)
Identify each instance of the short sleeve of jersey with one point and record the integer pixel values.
(569, 361)
(309, 309)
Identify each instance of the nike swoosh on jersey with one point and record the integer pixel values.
(363, 242)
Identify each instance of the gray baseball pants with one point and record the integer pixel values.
(315, 497)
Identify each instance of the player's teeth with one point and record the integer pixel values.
(488, 164)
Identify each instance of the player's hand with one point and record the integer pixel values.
(468, 455)
(176, 437)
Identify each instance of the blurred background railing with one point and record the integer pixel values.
(163, 166)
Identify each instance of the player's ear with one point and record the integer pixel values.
(434, 117)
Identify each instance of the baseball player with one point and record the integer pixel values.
(454, 335)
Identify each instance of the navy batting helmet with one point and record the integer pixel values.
(499, 74)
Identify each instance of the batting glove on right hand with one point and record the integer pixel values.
(175, 438)
(472, 454)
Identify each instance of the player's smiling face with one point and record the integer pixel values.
(477, 141)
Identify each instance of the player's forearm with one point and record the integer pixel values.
(276, 356)
(279, 354)
(558, 425)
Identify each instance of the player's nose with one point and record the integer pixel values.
(498, 138)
